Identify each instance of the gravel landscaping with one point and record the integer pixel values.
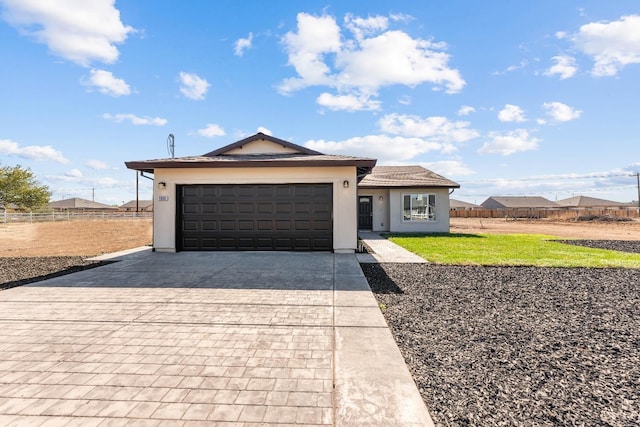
(23, 270)
(517, 345)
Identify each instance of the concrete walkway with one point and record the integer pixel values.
(215, 339)
(385, 250)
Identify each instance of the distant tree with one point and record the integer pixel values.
(19, 186)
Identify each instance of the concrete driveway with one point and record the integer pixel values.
(242, 338)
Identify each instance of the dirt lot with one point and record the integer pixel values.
(82, 237)
(594, 230)
(94, 237)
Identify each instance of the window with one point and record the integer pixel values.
(419, 207)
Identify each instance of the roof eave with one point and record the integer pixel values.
(149, 167)
(386, 186)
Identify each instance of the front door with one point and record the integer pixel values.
(365, 213)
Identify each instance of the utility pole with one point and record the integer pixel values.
(93, 194)
(638, 178)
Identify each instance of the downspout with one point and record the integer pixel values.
(153, 234)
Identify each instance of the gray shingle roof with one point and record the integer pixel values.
(588, 202)
(518, 202)
(141, 204)
(457, 204)
(405, 176)
(78, 203)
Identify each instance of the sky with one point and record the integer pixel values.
(537, 98)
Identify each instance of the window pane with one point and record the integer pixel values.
(406, 207)
(432, 207)
(419, 207)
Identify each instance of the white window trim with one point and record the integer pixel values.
(435, 216)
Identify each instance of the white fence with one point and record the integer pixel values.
(9, 217)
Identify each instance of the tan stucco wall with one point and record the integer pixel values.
(380, 208)
(440, 225)
(345, 212)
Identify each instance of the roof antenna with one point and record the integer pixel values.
(171, 142)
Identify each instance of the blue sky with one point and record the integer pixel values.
(506, 98)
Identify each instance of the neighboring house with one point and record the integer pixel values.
(142, 206)
(459, 205)
(584, 202)
(78, 204)
(264, 193)
(519, 202)
(404, 199)
(11, 207)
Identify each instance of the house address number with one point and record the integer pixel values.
(163, 198)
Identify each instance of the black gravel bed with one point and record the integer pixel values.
(517, 346)
(20, 271)
(632, 246)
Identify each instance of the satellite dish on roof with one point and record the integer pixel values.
(171, 145)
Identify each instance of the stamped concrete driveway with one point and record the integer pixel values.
(247, 339)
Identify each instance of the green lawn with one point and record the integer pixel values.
(509, 249)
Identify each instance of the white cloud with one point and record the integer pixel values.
(135, 120)
(507, 143)
(74, 173)
(242, 44)
(436, 128)
(316, 37)
(79, 31)
(361, 27)
(211, 130)
(448, 168)
(403, 137)
(564, 67)
(348, 102)
(32, 152)
(465, 110)
(264, 130)
(404, 100)
(612, 45)
(107, 83)
(560, 112)
(522, 64)
(385, 147)
(77, 177)
(511, 113)
(375, 57)
(193, 86)
(96, 164)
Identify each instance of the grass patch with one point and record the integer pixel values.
(509, 249)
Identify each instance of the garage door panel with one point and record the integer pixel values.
(245, 225)
(255, 217)
(320, 208)
(283, 208)
(209, 225)
(227, 225)
(302, 225)
(227, 208)
(265, 208)
(283, 225)
(245, 208)
(264, 224)
(191, 226)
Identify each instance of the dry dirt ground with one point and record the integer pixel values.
(81, 237)
(594, 230)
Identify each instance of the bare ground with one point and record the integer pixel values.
(73, 238)
(593, 230)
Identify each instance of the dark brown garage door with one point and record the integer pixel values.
(287, 217)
